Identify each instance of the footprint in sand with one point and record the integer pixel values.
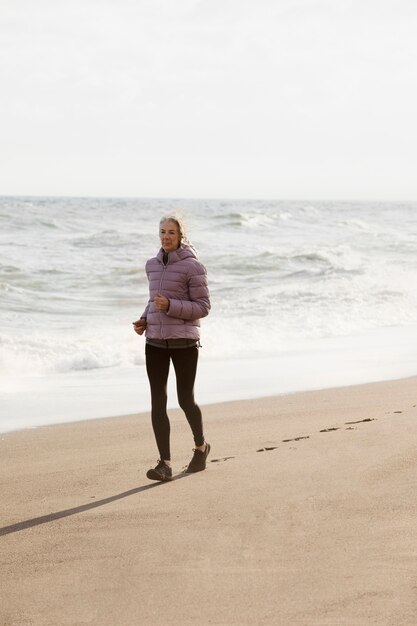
(367, 419)
(224, 458)
(397, 411)
(296, 439)
(267, 449)
(327, 430)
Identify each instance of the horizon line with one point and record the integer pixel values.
(205, 198)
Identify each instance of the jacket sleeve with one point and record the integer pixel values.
(198, 305)
(145, 313)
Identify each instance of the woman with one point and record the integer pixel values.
(178, 298)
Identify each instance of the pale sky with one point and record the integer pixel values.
(305, 99)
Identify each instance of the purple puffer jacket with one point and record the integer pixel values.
(184, 282)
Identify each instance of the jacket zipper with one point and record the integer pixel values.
(160, 290)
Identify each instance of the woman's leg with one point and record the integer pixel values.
(157, 367)
(185, 363)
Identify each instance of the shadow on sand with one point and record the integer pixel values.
(52, 517)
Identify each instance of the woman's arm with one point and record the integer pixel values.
(198, 305)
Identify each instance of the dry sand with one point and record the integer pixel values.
(306, 515)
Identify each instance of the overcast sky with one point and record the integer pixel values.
(306, 99)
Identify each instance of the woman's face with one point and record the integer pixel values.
(169, 235)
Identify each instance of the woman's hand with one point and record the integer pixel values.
(139, 326)
(161, 302)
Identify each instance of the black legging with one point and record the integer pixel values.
(185, 365)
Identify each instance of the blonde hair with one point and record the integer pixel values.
(181, 225)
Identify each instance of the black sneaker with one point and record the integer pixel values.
(198, 462)
(160, 472)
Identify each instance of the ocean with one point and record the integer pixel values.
(305, 295)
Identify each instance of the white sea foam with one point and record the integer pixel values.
(331, 362)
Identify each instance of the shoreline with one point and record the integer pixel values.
(304, 516)
(30, 401)
(174, 410)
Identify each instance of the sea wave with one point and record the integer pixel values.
(73, 281)
(47, 352)
(250, 219)
(107, 239)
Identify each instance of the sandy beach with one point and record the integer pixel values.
(306, 515)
